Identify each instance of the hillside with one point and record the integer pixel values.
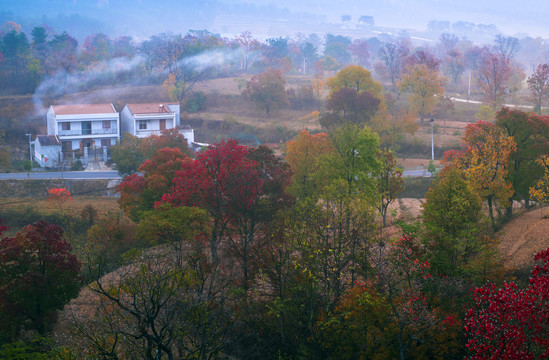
(523, 236)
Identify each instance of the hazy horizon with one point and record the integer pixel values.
(142, 18)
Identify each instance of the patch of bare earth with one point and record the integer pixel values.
(523, 236)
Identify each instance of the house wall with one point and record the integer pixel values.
(176, 109)
(127, 122)
(50, 121)
(75, 135)
(188, 134)
(47, 155)
(153, 126)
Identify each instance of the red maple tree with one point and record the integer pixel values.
(511, 323)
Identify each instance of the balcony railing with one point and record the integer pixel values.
(107, 131)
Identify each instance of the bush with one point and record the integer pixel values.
(195, 102)
(77, 166)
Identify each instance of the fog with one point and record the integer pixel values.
(265, 18)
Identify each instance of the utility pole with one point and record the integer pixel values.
(469, 88)
(30, 147)
(432, 140)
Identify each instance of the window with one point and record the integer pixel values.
(86, 127)
(106, 143)
(142, 125)
(65, 126)
(106, 124)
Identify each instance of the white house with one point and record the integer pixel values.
(143, 120)
(85, 125)
(47, 151)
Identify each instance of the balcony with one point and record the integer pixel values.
(106, 131)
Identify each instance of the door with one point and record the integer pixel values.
(162, 124)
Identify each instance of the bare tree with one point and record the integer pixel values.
(506, 46)
(392, 56)
(493, 72)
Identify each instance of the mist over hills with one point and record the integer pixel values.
(142, 18)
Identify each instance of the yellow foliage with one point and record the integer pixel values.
(425, 85)
(540, 191)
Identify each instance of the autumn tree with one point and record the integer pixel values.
(506, 47)
(400, 120)
(452, 216)
(354, 160)
(247, 45)
(540, 191)
(157, 308)
(413, 319)
(220, 180)
(59, 195)
(392, 57)
(129, 154)
(389, 183)
(486, 163)
(303, 155)
(357, 78)
(509, 322)
(538, 84)
(349, 106)
(454, 65)
(423, 56)
(425, 85)
(38, 276)
(15, 48)
(64, 54)
(531, 135)
(493, 72)
(96, 47)
(361, 52)
(139, 193)
(485, 113)
(336, 47)
(355, 98)
(267, 91)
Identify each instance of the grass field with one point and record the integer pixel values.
(102, 204)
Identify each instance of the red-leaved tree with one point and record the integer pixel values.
(222, 181)
(38, 275)
(511, 323)
(139, 193)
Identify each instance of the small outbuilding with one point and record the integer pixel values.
(48, 151)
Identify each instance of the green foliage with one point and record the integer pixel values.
(355, 159)
(485, 113)
(195, 102)
(77, 166)
(127, 155)
(38, 348)
(431, 167)
(453, 222)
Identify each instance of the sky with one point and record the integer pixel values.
(147, 17)
(510, 16)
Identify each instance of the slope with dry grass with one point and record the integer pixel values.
(523, 236)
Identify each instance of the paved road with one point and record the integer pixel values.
(40, 175)
(113, 175)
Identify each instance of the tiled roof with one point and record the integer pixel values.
(151, 108)
(84, 109)
(47, 140)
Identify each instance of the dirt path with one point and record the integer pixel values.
(524, 236)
